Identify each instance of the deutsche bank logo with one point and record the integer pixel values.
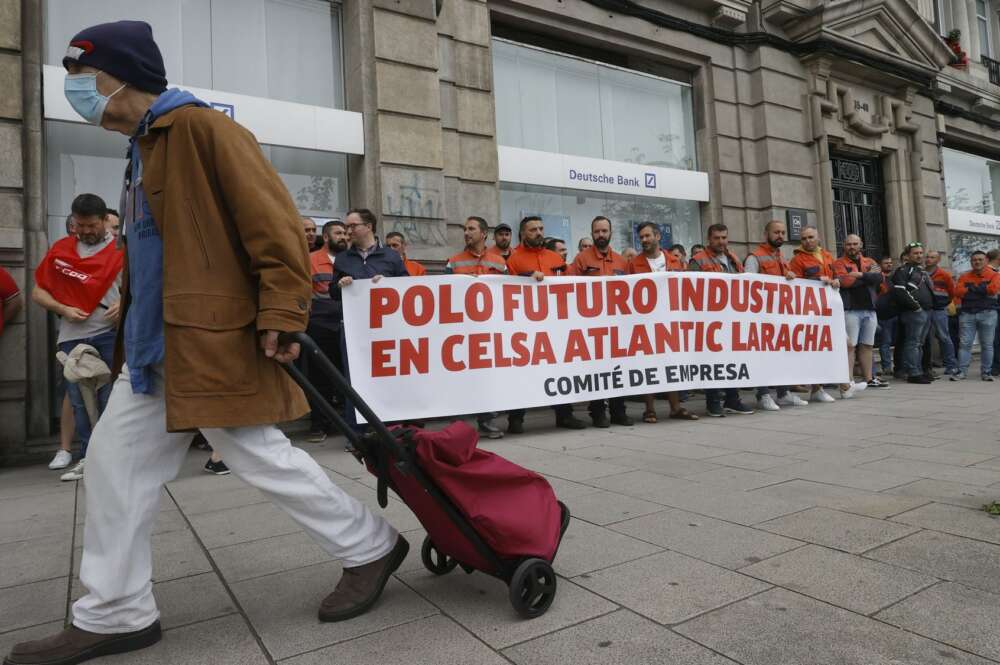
(651, 181)
(228, 109)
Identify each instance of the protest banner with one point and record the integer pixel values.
(451, 345)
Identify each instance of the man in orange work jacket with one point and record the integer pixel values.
(397, 241)
(976, 292)
(597, 261)
(767, 259)
(531, 259)
(476, 260)
(717, 258)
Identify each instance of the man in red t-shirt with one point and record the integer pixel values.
(10, 299)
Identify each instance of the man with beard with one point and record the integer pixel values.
(653, 259)
(77, 280)
(717, 258)
(476, 260)
(600, 261)
(912, 294)
(767, 259)
(860, 280)
(325, 318)
(531, 259)
(501, 240)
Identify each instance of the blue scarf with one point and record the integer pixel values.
(144, 321)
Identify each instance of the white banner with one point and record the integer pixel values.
(974, 222)
(454, 345)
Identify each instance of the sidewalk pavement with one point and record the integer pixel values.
(840, 534)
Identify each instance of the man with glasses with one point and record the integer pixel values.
(913, 297)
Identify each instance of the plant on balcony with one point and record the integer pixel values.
(954, 42)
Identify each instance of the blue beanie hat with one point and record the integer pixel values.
(124, 49)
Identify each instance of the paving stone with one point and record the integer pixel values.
(8, 640)
(36, 527)
(937, 471)
(754, 461)
(283, 606)
(951, 457)
(846, 476)
(780, 627)
(31, 604)
(722, 543)
(954, 520)
(22, 508)
(191, 600)
(437, 640)
(574, 468)
(605, 508)
(586, 547)
(846, 499)
(842, 531)
(270, 555)
(945, 492)
(166, 521)
(480, 603)
(970, 562)
(670, 588)
(846, 580)
(682, 449)
(223, 641)
(177, 554)
(220, 500)
(730, 505)
(737, 479)
(954, 614)
(567, 489)
(523, 455)
(239, 525)
(666, 465)
(34, 560)
(619, 637)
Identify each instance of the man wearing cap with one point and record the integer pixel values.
(216, 267)
(501, 240)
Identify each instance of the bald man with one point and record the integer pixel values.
(860, 278)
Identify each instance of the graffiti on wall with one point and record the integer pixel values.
(415, 198)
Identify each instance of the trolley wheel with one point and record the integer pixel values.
(533, 588)
(434, 559)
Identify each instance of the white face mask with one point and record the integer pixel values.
(81, 93)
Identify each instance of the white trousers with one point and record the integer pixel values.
(132, 455)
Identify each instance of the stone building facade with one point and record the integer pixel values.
(854, 115)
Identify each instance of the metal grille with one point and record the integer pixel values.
(857, 204)
(993, 67)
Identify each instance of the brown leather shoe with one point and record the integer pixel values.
(360, 587)
(74, 645)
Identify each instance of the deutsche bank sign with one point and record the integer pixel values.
(548, 169)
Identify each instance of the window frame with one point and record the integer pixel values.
(983, 20)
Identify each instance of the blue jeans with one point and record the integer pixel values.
(996, 350)
(915, 326)
(105, 345)
(969, 324)
(887, 332)
(939, 327)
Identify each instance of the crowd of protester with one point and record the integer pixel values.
(902, 310)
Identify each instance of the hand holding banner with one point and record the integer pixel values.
(451, 345)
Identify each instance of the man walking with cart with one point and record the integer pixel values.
(216, 267)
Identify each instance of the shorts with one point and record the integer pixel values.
(861, 325)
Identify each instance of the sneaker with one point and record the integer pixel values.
(75, 474)
(853, 390)
(218, 468)
(767, 403)
(715, 411)
(739, 408)
(316, 436)
(62, 459)
(877, 383)
(490, 429)
(920, 379)
(821, 396)
(987, 377)
(791, 399)
(958, 376)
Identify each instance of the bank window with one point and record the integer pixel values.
(563, 104)
(983, 25)
(288, 50)
(82, 158)
(970, 182)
